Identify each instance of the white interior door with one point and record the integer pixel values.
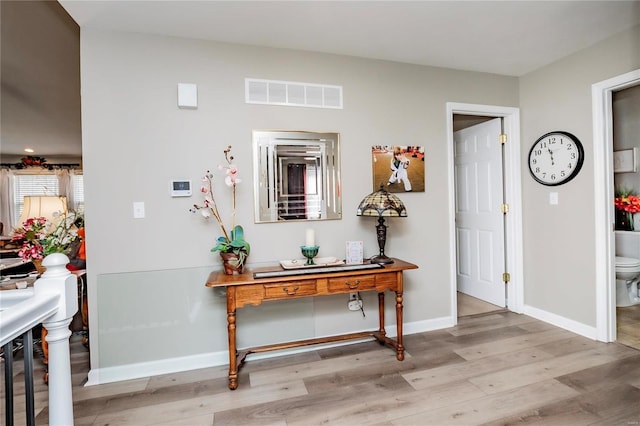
(479, 217)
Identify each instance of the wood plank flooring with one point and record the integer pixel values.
(628, 326)
(495, 369)
(469, 305)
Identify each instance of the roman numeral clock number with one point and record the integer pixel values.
(555, 158)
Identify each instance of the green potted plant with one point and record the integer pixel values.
(233, 248)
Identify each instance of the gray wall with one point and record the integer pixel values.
(559, 239)
(135, 140)
(626, 132)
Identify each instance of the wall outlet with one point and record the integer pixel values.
(355, 305)
(355, 302)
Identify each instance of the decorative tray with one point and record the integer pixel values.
(319, 262)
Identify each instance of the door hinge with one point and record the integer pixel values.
(504, 207)
(503, 138)
(506, 277)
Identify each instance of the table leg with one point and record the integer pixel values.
(381, 313)
(400, 354)
(233, 365)
(45, 353)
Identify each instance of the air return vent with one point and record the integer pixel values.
(290, 93)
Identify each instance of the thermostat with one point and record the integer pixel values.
(181, 188)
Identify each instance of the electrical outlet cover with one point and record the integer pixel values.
(355, 305)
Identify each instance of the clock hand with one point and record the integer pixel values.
(551, 154)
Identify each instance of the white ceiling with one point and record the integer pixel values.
(502, 37)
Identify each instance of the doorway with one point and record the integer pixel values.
(602, 102)
(512, 196)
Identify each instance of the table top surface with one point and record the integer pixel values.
(220, 279)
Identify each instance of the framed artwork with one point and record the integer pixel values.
(624, 161)
(398, 168)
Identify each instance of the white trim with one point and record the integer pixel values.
(513, 192)
(560, 321)
(603, 195)
(214, 359)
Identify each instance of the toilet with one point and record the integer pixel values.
(627, 277)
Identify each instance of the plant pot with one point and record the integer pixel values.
(38, 264)
(231, 264)
(624, 220)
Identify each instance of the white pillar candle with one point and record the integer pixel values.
(310, 239)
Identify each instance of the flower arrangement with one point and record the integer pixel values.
(32, 235)
(627, 201)
(233, 241)
(41, 237)
(32, 161)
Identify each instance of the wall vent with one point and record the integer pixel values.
(291, 93)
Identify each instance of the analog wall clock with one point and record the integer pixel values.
(556, 158)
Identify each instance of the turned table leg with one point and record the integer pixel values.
(400, 355)
(45, 353)
(233, 364)
(381, 330)
(231, 331)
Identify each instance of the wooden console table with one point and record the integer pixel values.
(245, 290)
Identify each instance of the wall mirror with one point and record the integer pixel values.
(296, 176)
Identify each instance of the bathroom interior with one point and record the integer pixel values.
(626, 147)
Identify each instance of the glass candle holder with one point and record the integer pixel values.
(309, 252)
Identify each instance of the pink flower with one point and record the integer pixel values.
(209, 207)
(232, 175)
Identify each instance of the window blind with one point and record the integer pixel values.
(32, 185)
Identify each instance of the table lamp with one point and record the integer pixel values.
(381, 204)
(43, 206)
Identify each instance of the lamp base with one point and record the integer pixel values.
(381, 259)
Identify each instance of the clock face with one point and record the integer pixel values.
(555, 158)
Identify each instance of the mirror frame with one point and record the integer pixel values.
(275, 150)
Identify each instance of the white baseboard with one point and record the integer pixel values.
(562, 322)
(98, 376)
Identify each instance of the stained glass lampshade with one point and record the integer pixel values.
(381, 204)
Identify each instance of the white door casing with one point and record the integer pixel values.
(479, 219)
(513, 196)
(601, 99)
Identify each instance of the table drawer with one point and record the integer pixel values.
(356, 283)
(290, 289)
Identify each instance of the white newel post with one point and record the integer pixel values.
(59, 280)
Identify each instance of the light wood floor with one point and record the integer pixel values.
(628, 326)
(494, 369)
(627, 319)
(468, 305)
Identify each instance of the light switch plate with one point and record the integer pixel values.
(553, 198)
(138, 210)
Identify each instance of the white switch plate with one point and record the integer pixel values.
(138, 210)
(553, 198)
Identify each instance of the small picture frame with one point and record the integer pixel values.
(355, 253)
(624, 161)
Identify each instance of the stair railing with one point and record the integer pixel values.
(52, 301)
